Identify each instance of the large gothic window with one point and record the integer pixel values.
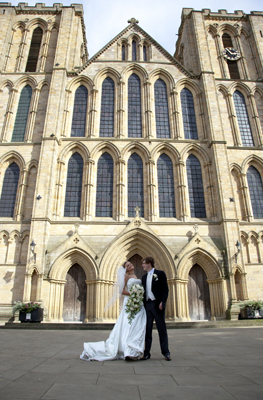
(134, 107)
(243, 120)
(161, 109)
(256, 191)
(22, 115)
(78, 126)
(188, 111)
(104, 194)
(166, 186)
(195, 187)
(107, 108)
(9, 189)
(135, 185)
(34, 50)
(74, 186)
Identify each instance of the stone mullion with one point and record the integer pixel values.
(21, 51)
(93, 113)
(140, 52)
(148, 111)
(256, 120)
(89, 191)
(9, 50)
(183, 201)
(58, 189)
(210, 188)
(212, 299)
(129, 51)
(43, 57)
(242, 58)
(66, 113)
(120, 185)
(245, 196)
(120, 110)
(233, 120)
(151, 191)
(221, 59)
(32, 116)
(248, 241)
(20, 196)
(176, 129)
(8, 115)
(202, 115)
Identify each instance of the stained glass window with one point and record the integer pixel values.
(134, 50)
(107, 108)
(104, 186)
(188, 111)
(256, 191)
(243, 120)
(78, 126)
(34, 50)
(195, 187)
(135, 185)
(166, 186)
(22, 115)
(161, 109)
(74, 186)
(9, 189)
(134, 107)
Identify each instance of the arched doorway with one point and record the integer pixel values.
(198, 294)
(136, 260)
(75, 295)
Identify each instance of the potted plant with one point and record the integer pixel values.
(251, 308)
(28, 312)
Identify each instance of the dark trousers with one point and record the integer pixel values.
(159, 316)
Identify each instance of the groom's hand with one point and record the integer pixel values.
(161, 306)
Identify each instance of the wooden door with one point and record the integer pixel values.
(198, 294)
(136, 260)
(75, 295)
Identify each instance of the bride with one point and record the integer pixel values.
(126, 341)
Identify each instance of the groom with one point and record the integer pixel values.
(155, 296)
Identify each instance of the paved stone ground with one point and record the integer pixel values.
(206, 364)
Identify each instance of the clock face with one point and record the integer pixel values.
(231, 54)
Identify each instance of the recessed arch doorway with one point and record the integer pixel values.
(198, 294)
(75, 295)
(136, 260)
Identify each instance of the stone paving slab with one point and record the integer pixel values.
(206, 364)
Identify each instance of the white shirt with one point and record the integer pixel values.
(149, 293)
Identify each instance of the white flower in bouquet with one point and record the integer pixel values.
(135, 301)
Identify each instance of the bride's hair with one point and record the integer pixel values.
(124, 263)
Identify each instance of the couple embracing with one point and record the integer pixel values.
(131, 337)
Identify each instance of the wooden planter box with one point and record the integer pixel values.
(35, 316)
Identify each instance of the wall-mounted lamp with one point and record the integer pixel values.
(238, 246)
(32, 248)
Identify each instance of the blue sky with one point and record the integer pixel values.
(160, 18)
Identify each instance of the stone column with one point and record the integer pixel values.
(93, 113)
(39, 287)
(245, 197)
(120, 186)
(148, 111)
(20, 57)
(43, 58)
(58, 189)
(256, 120)
(220, 49)
(120, 110)
(88, 191)
(66, 113)
(27, 287)
(176, 131)
(210, 188)
(7, 135)
(184, 210)
(242, 59)
(10, 44)
(32, 116)
(20, 196)
(140, 52)
(151, 191)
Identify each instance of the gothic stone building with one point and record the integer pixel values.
(132, 152)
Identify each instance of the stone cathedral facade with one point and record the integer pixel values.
(129, 153)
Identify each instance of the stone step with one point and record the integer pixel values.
(109, 325)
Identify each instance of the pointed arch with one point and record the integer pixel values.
(78, 81)
(197, 151)
(134, 68)
(10, 157)
(104, 73)
(136, 147)
(165, 148)
(74, 147)
(160, 73)
(25, 80)
(9, 190)
(254, 160)
(108, 147)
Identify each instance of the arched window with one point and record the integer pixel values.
(195, 187)
(78, 126)
(188, 111)
(107, 108)
(134, 50)
(243, 120)
(144, 53)
(161, 109)
(232, 65)
(22, 115)
(123, 52)
(166, 186)
(9, 189)
(135, 185)
(134, 107)
(74, 186)
(34, 50)
(104, 194)
(256, 191)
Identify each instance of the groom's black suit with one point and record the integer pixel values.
(160, 291)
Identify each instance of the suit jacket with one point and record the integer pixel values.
(159, 287)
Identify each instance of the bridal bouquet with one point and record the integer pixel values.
(135, 301)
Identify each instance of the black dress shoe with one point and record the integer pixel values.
(167, 356)
(146, 357)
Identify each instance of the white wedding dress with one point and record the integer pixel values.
(125, 340)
